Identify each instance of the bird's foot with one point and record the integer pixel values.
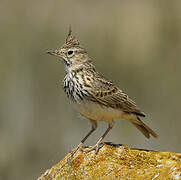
(79, 147)
(96, 147)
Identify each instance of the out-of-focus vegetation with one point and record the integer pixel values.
(136, 44)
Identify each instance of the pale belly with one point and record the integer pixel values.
(100, 113)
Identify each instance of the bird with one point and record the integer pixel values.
(94, 96)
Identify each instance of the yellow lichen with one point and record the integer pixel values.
(117, 162)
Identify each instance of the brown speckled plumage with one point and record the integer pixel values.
(95, 97)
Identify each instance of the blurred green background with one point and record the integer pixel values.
(137, 44)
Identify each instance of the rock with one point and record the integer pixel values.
(117, 162)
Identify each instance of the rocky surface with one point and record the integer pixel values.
(117, 162)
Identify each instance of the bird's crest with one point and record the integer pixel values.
(71, 40)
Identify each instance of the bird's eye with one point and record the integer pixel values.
(70, 52)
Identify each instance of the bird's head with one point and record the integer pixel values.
(71, 52)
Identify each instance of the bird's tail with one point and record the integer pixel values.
(144, 128)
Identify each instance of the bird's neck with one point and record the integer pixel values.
(79, 67)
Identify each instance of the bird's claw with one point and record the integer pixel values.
(79, 147)
(96, 148)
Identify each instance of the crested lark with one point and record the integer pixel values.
(95, 97)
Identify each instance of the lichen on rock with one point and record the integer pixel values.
(117, 162)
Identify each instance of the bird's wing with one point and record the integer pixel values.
(107, 94)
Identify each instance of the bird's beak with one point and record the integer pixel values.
(53, 52)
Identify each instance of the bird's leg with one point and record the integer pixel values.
(94, 126)
(98, 145)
